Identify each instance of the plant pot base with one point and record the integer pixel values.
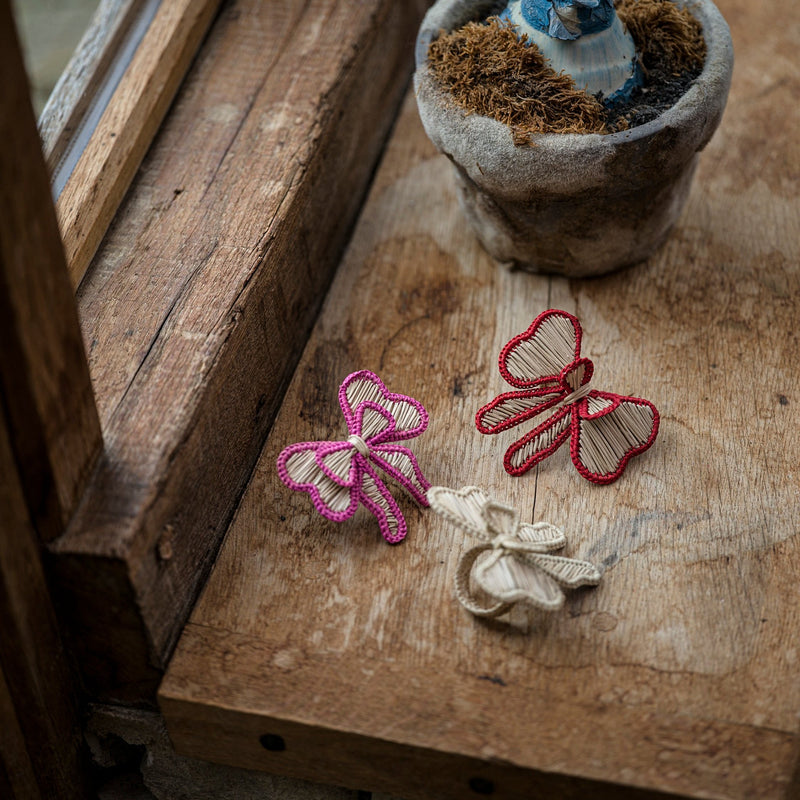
(575, 236)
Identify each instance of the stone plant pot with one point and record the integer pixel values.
(573, 204)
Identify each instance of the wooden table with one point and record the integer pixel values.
(678, 674)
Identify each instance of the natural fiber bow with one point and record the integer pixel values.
(517, 565)
(545, 363)
(340, 475)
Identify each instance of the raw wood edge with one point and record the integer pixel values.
(41, 742)
(205, 724)
(224, 690)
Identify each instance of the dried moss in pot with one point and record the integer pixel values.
(568, 202)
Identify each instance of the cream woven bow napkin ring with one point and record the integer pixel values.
(512, 561)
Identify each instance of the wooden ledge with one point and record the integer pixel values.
(678, 673)
(201, 297)
(423, 733)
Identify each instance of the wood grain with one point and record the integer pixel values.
(40, 736)
(678, 673)
(17, 773)
(49, 439)
(100, 179)
(44, 378)
(81, 77)
(435, 732)
(200, 300)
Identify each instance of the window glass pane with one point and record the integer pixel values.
(50, 31)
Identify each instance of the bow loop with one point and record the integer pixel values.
(501, 520)
(377, 414)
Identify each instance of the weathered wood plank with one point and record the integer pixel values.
(100, 179)
(40, 740)
(201, 298)
(17, 773)
(44, 378)
(678, 673)
(49, 440)
(432, 732)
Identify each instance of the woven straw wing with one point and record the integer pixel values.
(463, 507)
(537, 356)
(510, 579)
(570, 572)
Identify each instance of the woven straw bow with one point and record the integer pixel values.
(341, 475)
(518, 566)
(545, 364)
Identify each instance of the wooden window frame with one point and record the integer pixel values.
(49, 442)
(301, 118)
(120, 594)
(105, 169)
(50, 433)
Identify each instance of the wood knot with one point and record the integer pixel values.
(164, 546)
(603, 621)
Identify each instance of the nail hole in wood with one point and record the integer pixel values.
(272, 742)
(481, 786)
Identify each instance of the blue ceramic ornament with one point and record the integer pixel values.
(584, 39)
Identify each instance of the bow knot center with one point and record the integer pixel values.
(506, 542)
(573, 397)
(359, 444)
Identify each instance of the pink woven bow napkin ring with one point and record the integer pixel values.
(339, 476)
